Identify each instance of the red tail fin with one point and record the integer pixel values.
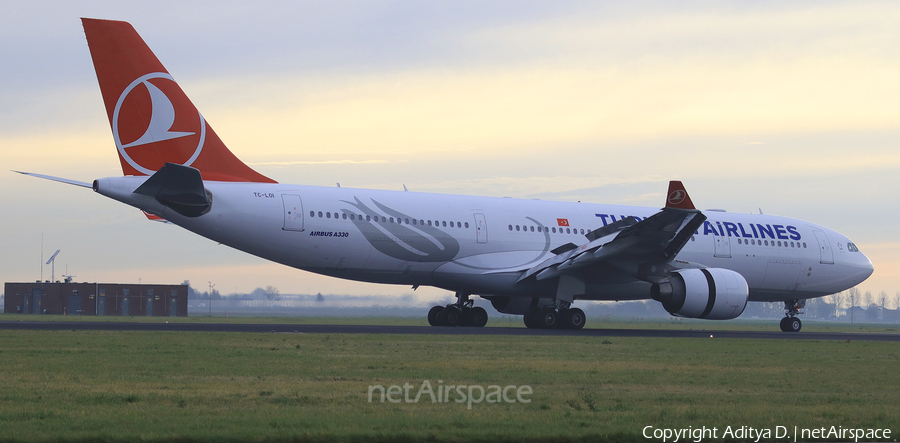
(677, 197)
(152, 120)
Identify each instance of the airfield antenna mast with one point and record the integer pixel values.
(211, 286)
(53, 261)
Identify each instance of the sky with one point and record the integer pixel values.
(792, 108)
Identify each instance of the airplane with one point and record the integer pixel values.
(527, 257)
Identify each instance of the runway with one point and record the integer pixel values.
(422, 330)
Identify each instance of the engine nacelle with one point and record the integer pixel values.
(712, 294)
(516, 305)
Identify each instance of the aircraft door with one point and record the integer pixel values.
(826, 255)
(480, 229)
(293, 212)
(723, 246)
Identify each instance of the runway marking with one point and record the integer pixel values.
(422, 330)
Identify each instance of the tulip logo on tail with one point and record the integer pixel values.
(147, 145)
(676, 197)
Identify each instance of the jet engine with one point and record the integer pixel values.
(712, 294)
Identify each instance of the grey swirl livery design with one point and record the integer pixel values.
(419, 243)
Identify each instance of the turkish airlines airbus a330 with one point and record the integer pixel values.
(528, 257)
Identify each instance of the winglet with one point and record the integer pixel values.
(677, 197)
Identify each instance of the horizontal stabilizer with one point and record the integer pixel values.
(57, 179)
(178, 187)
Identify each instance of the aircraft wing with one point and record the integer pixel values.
(645, 249)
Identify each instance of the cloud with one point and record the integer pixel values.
(324, 162)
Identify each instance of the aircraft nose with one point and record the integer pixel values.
(867, 269)
(864, 268)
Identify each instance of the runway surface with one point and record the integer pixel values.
(370, 329)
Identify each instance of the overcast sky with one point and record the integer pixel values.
(788, 107)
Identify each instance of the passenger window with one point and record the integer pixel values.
(344, 216)
(532, 228)
(510, 227)
(444, 224)
(517, 228)
(568, 231)
(406, 220)
(320, 214)
(553, 229)
(312, 213)
(451, 224)
(429, 222)
(467, 225)
(327, 215)
(414, 222)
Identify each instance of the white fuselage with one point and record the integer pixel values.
(481, 245)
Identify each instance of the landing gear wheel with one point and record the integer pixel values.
(547, 318)
(433, 315)
(573, 318)
(476, 316)
(451, 315)
(790, 322)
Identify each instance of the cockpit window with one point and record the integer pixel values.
(852, 247)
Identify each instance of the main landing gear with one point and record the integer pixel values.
(550, 317)
(461, 313)
(790, 323)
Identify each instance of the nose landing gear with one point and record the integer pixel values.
(790, 323)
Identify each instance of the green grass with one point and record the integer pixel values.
(152, 386)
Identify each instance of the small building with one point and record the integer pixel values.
(70, 298)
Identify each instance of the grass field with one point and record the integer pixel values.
(153, 386)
